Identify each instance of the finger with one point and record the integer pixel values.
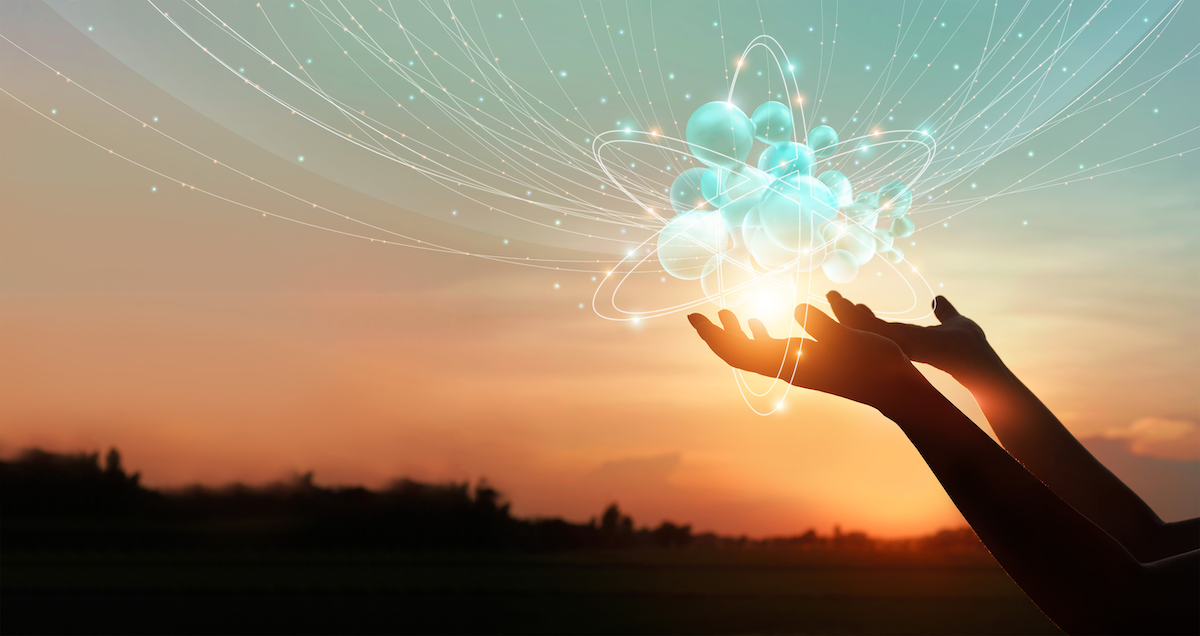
(759, 329)
(700, 321)
(865, 309)
(815, 322)
(943, 309)
(846, 312)
(730, 321)
(715, 337)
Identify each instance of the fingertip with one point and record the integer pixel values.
(942, 308)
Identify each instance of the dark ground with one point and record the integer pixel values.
(88, 549)
(690, 591)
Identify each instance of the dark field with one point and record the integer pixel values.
(632, 591)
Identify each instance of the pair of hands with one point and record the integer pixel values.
(861, 358)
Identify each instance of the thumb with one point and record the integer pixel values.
(943, 309)
(816, 323)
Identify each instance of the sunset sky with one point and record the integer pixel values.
(211, 344)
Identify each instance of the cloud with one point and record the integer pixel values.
(637, 471)
(1161, 437)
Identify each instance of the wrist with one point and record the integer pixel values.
(910, 393)
(985, 368)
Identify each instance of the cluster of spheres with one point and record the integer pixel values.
(737, 226)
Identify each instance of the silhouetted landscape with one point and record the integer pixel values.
(87, 548)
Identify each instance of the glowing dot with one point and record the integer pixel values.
(581, 305)
(506, 241)
(89, 28)
(453, 212)
(242, 70)
(603, 100)
(1024, 222)
(973, 186)
(915, 55)
(300, 158)
(53, 111)
(1020, 35)
(1155, 111)
(499, 15)
(558, 221)
(943, 25)
(556, 285)
(1064, 69)
(956, 67)
(868, 67)
(670, 76)
(155, 119)
(687, 95)
(1030, 153)
(621, 32)
(562, 73)
(154, 188)
(714, 24)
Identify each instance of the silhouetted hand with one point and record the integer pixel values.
(858, 365)
(957, 346)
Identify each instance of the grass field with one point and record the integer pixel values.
(630, 591)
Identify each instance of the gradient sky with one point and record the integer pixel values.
(210, 344)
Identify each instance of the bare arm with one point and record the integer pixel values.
(1028, 430)
(1075, 572)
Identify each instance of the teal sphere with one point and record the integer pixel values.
(839, 184)
(688, 241)
(793, 210)
(685, 190)
(712, 183)
(772, 122)
(720, 135)
(784, 158)
(823, 140)
(894, 199)
(902, 227)
(840, 267)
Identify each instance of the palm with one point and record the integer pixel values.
(858, 365)
(954, 346)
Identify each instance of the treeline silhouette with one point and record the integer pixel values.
(69, 502)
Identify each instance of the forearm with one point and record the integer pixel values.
(1034, 436)
(1071, 568)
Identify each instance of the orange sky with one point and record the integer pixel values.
(211, 345)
